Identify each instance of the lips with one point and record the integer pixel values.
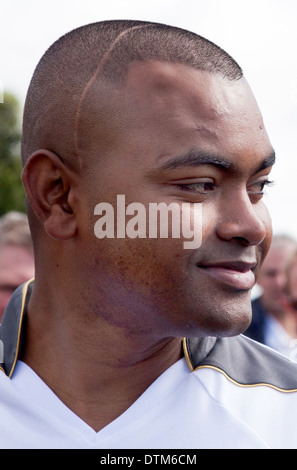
(236, 274)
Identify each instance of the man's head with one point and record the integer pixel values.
(273, 274)
(159, 115)
(16, 255)
(95, 59)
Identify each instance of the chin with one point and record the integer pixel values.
(237, 324)
(222, 319)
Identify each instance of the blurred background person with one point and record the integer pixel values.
(291, 301)
(273, 323)
(16, 255)
(292, 285)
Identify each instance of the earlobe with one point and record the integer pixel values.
(60, 225)
(48, 183)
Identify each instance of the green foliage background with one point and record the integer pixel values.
(12, 194)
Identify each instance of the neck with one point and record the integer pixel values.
(98, 370)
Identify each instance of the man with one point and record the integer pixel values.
(290, 301)
(134, 341)
(273, 323)
(291, 284)
(16, 255)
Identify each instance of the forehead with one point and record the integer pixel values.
(278, 258)
(176, 97)
(15, 261)
(165, 110)
(159, 80)
(182, 88)
(14, 255)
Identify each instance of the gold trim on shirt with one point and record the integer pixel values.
(208, 366)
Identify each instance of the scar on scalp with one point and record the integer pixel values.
(89, 85)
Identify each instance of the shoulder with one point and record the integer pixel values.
(244, 361)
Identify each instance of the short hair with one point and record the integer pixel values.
(103, 51)
(14, 230)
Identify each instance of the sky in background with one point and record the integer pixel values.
(260, 34)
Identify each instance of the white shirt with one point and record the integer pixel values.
(180, 410)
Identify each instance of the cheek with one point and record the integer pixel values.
(209, 220)
(150, 258)
(144, 261)
(144, 276)
(293, 283)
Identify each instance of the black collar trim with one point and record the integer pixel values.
(11, 327)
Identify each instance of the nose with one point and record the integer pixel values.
(241, 220)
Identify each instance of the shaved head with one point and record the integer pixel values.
(60, 111)
(111, 109)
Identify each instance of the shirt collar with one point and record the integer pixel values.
(12, 326)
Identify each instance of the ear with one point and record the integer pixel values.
(48, 183)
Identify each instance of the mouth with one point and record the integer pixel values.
(237, 274)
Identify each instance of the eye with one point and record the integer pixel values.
(201, 187)
(256, 189)
(258, 186)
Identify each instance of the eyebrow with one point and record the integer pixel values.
(194, 158)
(267, 162)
